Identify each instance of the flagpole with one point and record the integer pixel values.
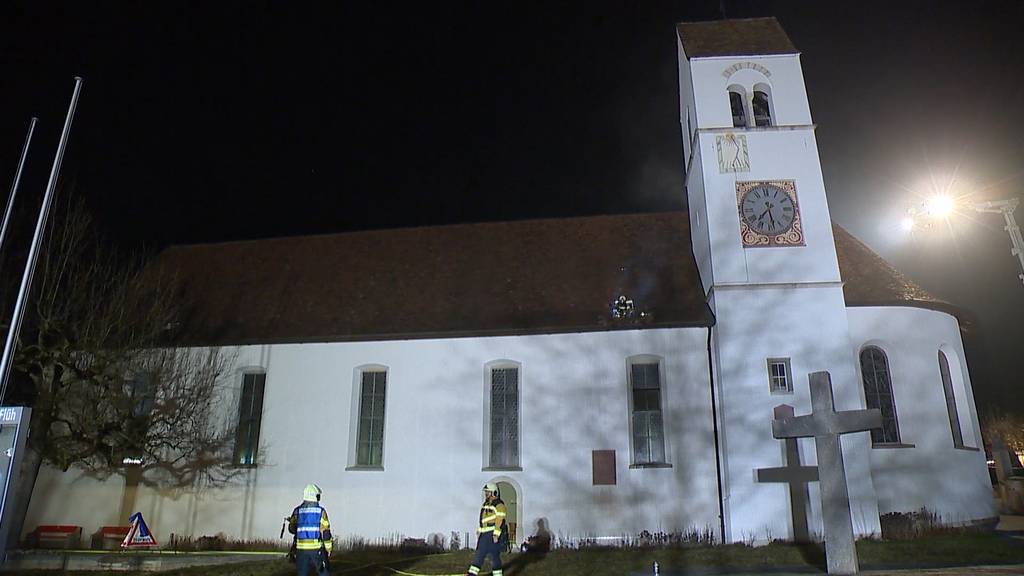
(33, 254)
(17, 179)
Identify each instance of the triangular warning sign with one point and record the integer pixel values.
(139, 535)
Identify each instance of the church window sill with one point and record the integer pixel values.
(502, 469)
(891, 445)
(650, 465)
(364, 469)
(967, 448)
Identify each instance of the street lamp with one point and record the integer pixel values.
(940, 206)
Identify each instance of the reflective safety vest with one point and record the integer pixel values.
(311, 527)
(492, 517)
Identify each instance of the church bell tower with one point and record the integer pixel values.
(762, 238)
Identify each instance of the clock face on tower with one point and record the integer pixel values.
(769, 213)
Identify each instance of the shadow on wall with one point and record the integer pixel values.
(928, 472)
(574, 399)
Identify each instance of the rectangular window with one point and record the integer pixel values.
(504, 418)
(370, 442)
(648, 431)
(250, 415)
(688, 140)
(141, 391)
(779, 375)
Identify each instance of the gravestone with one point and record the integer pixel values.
(825, 425)
(1009, 486)
(796, 476)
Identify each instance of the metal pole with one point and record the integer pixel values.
(17, 179)
(1006, 208)
(1015, 240)
(33, 254)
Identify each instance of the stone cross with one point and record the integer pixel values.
(1003, 459)
(1010, 488)
(796, 476)
(825, 425)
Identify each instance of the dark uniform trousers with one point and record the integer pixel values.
(308, 563)
(486, 546)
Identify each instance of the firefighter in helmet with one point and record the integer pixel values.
(312, 531)
(491, 534)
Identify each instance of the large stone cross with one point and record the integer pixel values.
(796, 476)
(825, 425)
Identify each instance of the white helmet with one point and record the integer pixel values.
(311, 493)
(492, 488)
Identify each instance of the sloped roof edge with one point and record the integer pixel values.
(739, 37)
(474, 280)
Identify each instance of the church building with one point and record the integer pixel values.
(612, 374)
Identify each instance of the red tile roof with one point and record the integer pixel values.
(527, 277)
(537, 276)
(871, 281)
(746, 37)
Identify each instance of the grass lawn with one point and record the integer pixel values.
(962, 550)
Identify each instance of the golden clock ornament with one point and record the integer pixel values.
(769, 213)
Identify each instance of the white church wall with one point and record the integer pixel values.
(73, 498)
(687, 105)
(699, 229)
(806, 324)
(782, 73)
(929, 472)
(694, 173)
(574, 399)
(787, 150)
(774, 155)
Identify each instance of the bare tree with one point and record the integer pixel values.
(110, 392)
(1004, 425)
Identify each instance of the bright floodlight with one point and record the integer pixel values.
(907, 224)
(939, 206)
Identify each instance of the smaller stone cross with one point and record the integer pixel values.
(825, 425)
(796, 476)
(1003, 459)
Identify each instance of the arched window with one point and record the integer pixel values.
(762, 113)
(874, 368)
(947, 387)
(739, 110)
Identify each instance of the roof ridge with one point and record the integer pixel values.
(727, 20)
(350, 233)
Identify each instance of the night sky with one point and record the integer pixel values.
(209, 121)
